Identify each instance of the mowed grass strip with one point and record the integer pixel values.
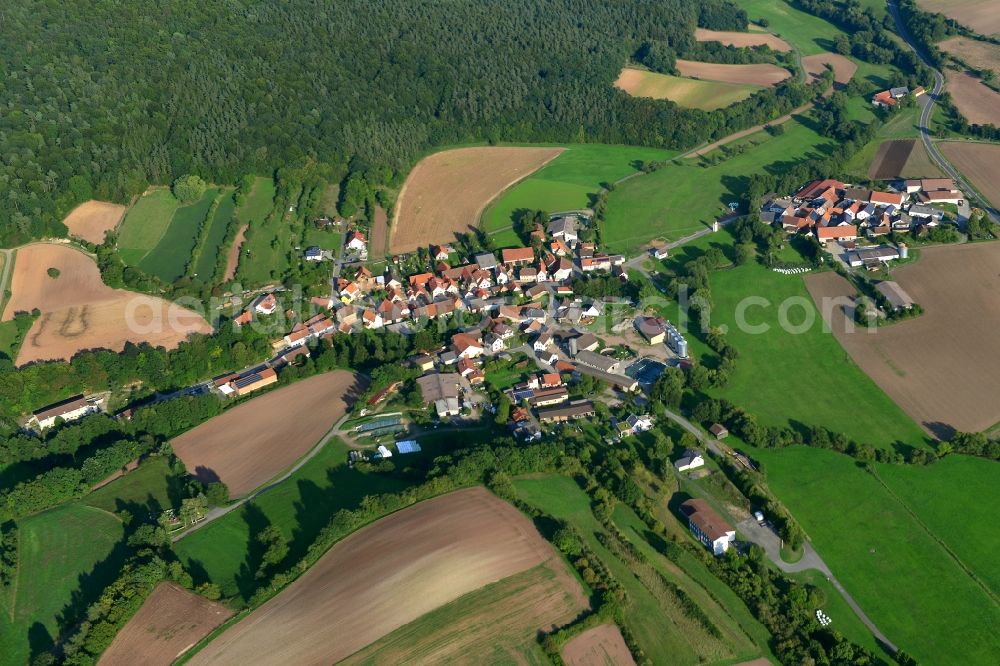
(682, 198)
(569, 181)
(689, 93)
(171, 254)
(145, 223)
(784, 376)
(905, 581)
(215, 235)
(62, 552)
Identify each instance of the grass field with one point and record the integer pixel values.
(662, 629)
(810, 34)
(680, 199)
(269, 239)
(300, 506)
(150, 487)
(63, 552)
(11, 335)
(145, 223)
(215, 235)
(686, 92)
(569, 181)
(810, 378)
(170, 255)
(893, 563)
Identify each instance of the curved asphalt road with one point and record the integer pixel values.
(928, 101)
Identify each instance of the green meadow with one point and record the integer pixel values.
(901, 554)
(809, 34)
(171, 254)
(569, 181)
(214, 235)
(145, 224)
(684, 197)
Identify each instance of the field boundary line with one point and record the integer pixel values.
(952, 554)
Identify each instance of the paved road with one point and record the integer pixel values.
(927, 102)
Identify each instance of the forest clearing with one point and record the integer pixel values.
(169, 622)
(249, 444)
(446, 192)
(386, 575)
(92, 219)
(79, 311)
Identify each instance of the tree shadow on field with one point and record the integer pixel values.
(246, 579)
(90, 586)
(941, 431)
(39, 640)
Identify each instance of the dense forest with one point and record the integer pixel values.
(104, 97)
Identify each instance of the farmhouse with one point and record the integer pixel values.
(692, 459)
(598, 361)
(586, 342)
(889, 98)
(436, 386)
(72, 409)
(941, 197)
(564, 229)
(708, 526)
(266, 304)
(839, 233)
(652, 328)
(896, 295)
(548, 396)
(872, 257)
(518, 256)
(574, 410)
(253, 381)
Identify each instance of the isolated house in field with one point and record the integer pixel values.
(708, 526)
(718, 431)
(72, 409)
(896, 295)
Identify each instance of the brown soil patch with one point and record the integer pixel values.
(446, 192)
(758, 74)
(170, 621)
(384, 576)
(250, 444)
(980, 163)
(980, 15)
(92, 219)
(80, 312)
(233, 259)
(974, 53)
(596, 647)
(976, 101)
(890, 159)
(741, 39)
(942, 368)
(495, 624)
(843, 67)
(378, 243)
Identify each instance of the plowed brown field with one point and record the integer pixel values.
(250, 444)
(599, 646)
(384, 576)
(91, 219)
(741, 39)
(169, 622)
(942, 368)
(980, 163)
(978, 103)
(379, 241)
(446, 192)
(80, 312)
(758, 74)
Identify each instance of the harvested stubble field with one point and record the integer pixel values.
(385, 576)
(596, 647)
(250, 444)
(980, 15)
(755, 75)
(976, 101)
(446, 192)
(690, 93)
(942, 368)
(741, 39)
(980, 163)
(843, 67)
(92, 219)
(80, 312)
(169, 622)
(981, 55)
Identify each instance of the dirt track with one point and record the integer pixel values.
(446, 192)
(384, 576)
(759, 74)
(596, 647)
(91, 219)
(980, 163)
(169, 622)
(741, 39)
(248, 445)
(80, 312)
(942, 368)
